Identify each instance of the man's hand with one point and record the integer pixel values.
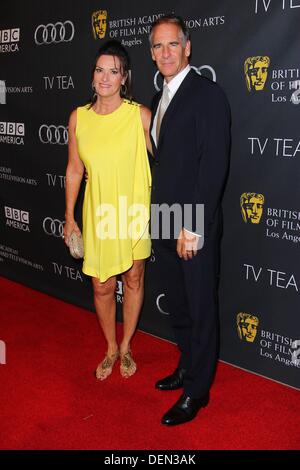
(187, 244)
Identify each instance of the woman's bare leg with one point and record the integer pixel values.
(105, 304)
(133, 283)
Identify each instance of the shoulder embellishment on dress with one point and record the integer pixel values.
(133, 103)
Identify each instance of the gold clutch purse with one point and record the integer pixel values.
(76, 245)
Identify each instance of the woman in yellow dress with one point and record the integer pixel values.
(107, 139)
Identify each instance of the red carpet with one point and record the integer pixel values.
(50, 399)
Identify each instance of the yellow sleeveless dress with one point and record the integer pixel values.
(117, 195)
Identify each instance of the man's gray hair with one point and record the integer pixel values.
(172, 19)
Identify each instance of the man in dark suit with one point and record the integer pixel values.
(190, 132)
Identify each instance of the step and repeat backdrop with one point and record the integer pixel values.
(251, 49)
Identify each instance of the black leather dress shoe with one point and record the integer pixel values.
(172, 382)
(184, 410)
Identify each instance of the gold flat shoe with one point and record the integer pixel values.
(128, 366)
(105, 367)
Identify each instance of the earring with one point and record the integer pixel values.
(123, 89)
(94, 90)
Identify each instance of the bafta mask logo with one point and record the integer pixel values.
(247, 326)
(252, 207)
(256, 72)
(99, 23)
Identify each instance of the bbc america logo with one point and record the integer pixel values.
(9, 39)
(17, 218)
(53, 134)
(12, 133)
(16, 214)
(54, 33)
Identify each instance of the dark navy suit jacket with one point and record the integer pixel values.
(192, 156)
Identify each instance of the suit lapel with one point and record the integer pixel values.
(154, 107)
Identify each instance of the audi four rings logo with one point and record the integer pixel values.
(54, 33)
(53, 227)
(53, 134)
(197, 70)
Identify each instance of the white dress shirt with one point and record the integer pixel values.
(173, 86)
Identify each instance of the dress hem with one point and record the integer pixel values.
(114, 272)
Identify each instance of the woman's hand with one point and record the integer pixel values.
(69, 227)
